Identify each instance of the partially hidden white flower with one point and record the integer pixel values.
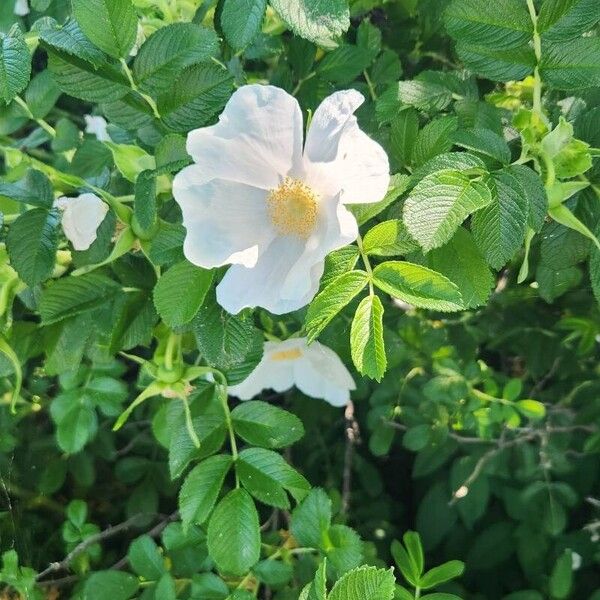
(21, 8)
(81, 218)
(258, 200)
(315, 370)
(97, 126)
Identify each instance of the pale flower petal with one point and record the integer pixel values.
(226, 222)
(257, 141)
(340, 158)
(21, 8)
(315, 370)
(97, 126)
(81, 218)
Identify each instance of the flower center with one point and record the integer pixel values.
(293, 208)
(287, 354)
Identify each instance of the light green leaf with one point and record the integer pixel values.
(71, 296)
(409, 569)
(483, 141)
(131, 160)
(389, 238)
(499, 229)
(15, 64)
(234, 534)
(461, 261)
(145, 558)
(311, 519)
(424, 95)
(366, 338)
(201, 488)
(76, 420)
(418, 285)
(262, 424)
(320, 22)
(364, 583)
(330, 301)
(200, 93)
(531, 408)
(32, 242)
(109, 24)
(165, 54)
(439, 203)
(563, 215)
(535, 192)
(180, 292)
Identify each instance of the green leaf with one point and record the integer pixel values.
(265, 425)
(265, 474)
(344, 64)
(424, 95)
(439, 203)
(497, 64)
(337, 263)
(320, 22)
(41, 94)
(130, 160)
(483, 141)
(406, 564)
(563, 215)
(69, 38)
(535, 193)
(109, 24)
(364, 212)
(417, 285)
(561, 20)
(461, 261)
(241, 21)
(144, 206)
(145, 558)
(343, 548)
(414, 547)
(311, 519)
(389, 238)
(499, 229)
(15, 64)
(507, 25)
(571, 65)
(330, 301)
(166, 53)
(76, 420)
(364, 583)
(366, 338)
(115, 585)
(234, 534)
(180, 292)
(35, 189)
(201, 488)
(84, 80)
(199, 94)
(32, 242)
(531, 409)
(405, 128)
(71, 296)
(433, 139)
(561, 579)
(438, 575)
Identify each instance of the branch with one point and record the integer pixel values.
(352, 438)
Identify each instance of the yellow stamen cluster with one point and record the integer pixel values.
(293, 208)
(291, 354)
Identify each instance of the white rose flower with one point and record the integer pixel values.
(21, 8)
(97, 126)
(315, 370)
(81, 218)
(258, 200)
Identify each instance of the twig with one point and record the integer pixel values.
(352, 438)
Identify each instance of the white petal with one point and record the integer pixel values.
(257, 141)
(226, 222)
(339, 157)
(97, 126)
(81, 218)
(21, 8)
(270, 373)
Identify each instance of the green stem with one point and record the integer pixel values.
(149, 100)
(367, 263)
(189, 423)
(43, 124)
(172, 345)
(302, 81)
(537, 46)
(222, 392)
(371, 86)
